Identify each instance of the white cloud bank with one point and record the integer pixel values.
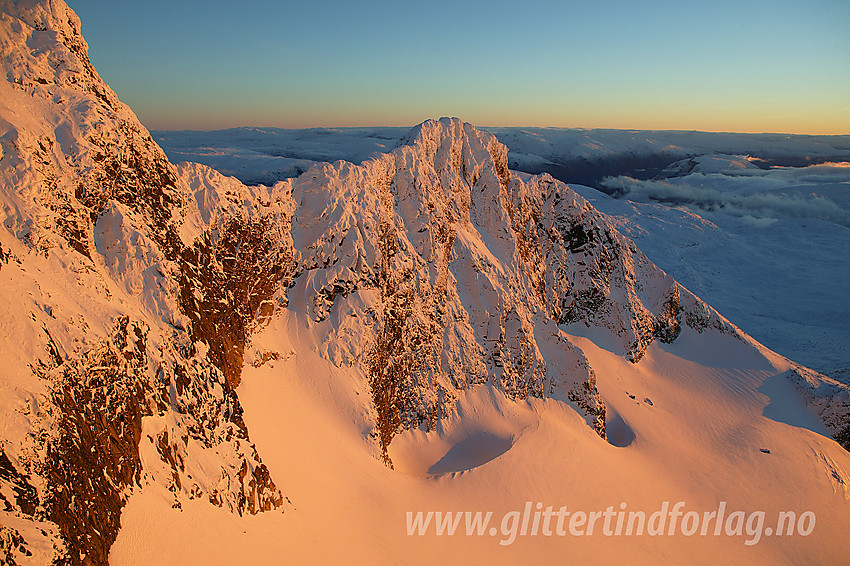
(819, 191)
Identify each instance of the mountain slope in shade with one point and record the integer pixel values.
(481, 332)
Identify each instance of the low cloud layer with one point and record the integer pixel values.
(820, 191)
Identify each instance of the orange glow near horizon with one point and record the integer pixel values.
(799, 125)
(774, 67)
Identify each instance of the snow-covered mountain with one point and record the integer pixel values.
(768, 213)
(267, 155)
(198, 370)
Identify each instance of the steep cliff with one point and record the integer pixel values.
(123, 323)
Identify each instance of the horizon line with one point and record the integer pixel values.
(492, 127)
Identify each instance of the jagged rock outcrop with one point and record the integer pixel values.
(474, 268)
(428, 227)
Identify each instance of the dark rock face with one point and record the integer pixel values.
(26, 497)
(238, 271)
(100, 401)
(668, 322)
(843, 437)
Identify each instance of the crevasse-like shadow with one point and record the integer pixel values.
(620, 434)
(787, 405)
(472, 452)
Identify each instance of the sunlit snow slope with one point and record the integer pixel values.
(704, 408)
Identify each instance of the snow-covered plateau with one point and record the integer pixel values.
(320, 369)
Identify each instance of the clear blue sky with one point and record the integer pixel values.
(778, 66)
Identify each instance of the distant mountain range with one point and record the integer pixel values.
(579, 156)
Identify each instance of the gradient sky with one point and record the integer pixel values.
(747, 66)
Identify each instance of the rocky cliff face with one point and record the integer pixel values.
(131, 287)
(124, 323)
